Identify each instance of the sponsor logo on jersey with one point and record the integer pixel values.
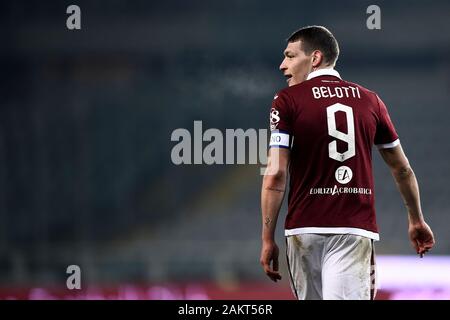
(339, 190)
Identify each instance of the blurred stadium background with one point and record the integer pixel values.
(86, 118)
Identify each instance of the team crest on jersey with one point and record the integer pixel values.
(274, 118)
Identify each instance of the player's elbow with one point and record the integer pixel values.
(275, 178)
(402, 172)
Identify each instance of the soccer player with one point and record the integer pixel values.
(322, 132)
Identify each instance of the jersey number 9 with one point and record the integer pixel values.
(348, 137)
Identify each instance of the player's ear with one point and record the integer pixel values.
(317, 58)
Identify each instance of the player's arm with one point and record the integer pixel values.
(272, 194)
(420, 233)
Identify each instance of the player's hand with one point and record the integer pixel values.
(269, 255)
(421, 237)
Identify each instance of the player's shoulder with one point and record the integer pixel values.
(299, 87)
(292, 91)
(282, 94)
(363, 89)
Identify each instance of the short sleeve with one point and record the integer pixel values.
(280, 121)
(280, 113)
(386, 135)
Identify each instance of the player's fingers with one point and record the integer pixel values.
(263, 262)
(275, 264)
(423, 250)
(429, 244)
(265, 266)
(274, 275)
(415, 245)
(426, 246)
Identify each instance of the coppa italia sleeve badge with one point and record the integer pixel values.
(274, 118)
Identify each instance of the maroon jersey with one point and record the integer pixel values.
(330, 126)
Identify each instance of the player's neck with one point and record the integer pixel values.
(322, 67)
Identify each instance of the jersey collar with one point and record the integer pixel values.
(323, 72)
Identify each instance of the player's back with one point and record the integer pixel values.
(332, 124)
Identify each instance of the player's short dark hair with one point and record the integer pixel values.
(317, 38)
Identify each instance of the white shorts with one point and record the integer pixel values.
(331, 266)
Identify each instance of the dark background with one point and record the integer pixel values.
(86, 118)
